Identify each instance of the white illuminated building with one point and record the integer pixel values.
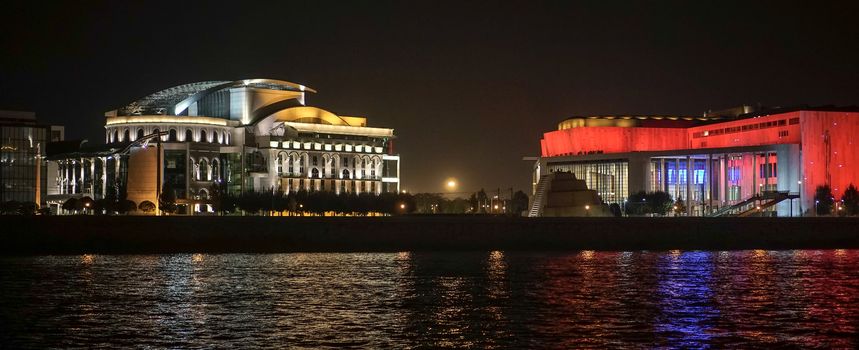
(249, 135)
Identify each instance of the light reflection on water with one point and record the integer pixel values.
(484, 300)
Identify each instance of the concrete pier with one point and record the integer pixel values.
(144, 235)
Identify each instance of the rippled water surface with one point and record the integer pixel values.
(742, 299)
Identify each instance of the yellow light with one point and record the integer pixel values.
(402, 206)
(496, 206)
(587, 207)
(451, 183)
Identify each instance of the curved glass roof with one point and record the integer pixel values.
(175, 100)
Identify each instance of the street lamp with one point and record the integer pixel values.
(587, 210)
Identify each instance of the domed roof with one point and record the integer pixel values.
(175, 100)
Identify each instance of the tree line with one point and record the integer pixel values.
(825, 203)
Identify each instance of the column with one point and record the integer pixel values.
(754, 173)
(689, 169)
(709, 178)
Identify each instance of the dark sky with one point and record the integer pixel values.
(467, 88)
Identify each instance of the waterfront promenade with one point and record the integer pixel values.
(130, 234)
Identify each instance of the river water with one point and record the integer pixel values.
(743, 299)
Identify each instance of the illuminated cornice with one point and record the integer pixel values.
(165, 119)
(342, 130)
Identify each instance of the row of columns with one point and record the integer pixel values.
(72, 172)
(301, 166)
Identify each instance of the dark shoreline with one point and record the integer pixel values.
(144, 235)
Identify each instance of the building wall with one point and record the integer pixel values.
(611, 140)
(143, 175)
(829, 151)
(21, 147)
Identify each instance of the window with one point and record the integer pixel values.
(782, 133)
(139, 134)
(216, 175)
(172, 136)
(203, 137)
(768, 170)
(735, 193)
(279, 165)
(301, 164)
(126, 136)
(189, 135)
(289, 166)
(204, 170)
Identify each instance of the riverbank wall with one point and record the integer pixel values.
(179, 234)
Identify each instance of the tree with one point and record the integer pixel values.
(823, 199)
(636, 204)
(679, 206)
(659, 202)
(519, 203)
(614, 208)
(850, 200)
(167, 199)
(482, 201)
(147, 207)
(124, 206)
(27, 208)
(70, 204)
(10, 207)
(86, 203)
(472, 202)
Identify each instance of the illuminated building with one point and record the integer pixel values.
(243, 136)
(722, 163)
(22, 145)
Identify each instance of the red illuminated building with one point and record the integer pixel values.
(734, 162)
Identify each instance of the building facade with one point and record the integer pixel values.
(741, 162)
(242, 136)
(23, 142)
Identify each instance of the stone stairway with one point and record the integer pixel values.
(537, 203)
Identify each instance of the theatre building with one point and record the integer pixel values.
(242, 136)
(739, 162)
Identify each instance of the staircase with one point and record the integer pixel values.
(748, 207)
(771, 200)
(539, 196)
(739, 207)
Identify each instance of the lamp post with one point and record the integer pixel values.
(800, 196)
(587, 210)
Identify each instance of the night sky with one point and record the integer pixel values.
(467, 88)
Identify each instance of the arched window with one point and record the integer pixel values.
(204, 170)
(226, 139)
(301, 162)
(216, 174)
(189, 135)
(155, 131)
(279, 164)
(314, 173)
(345, 174)
(126, 135)
(217, 137)
(172, 136)
(289, 165)
(139, 134)
(115, 136)
(203, 137)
